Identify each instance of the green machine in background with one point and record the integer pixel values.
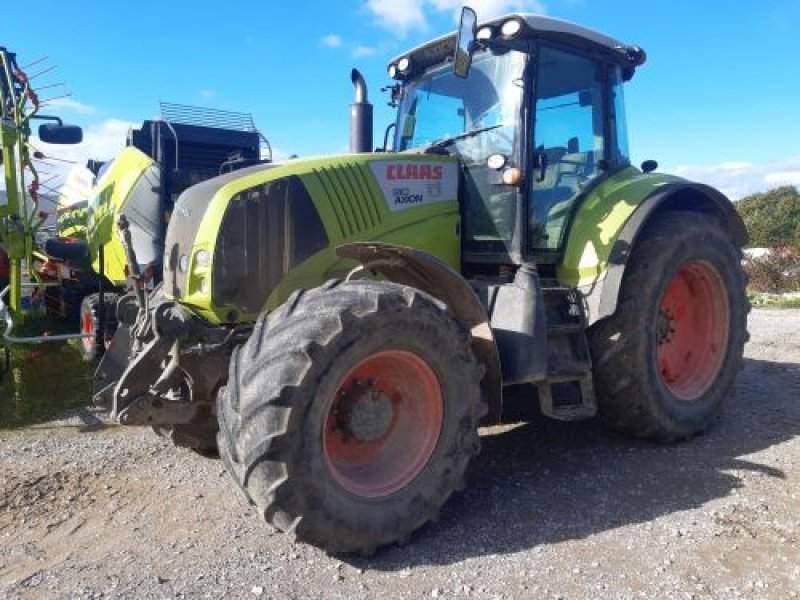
(20, 217)
(162, 158)
(80, 272)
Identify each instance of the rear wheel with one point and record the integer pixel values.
(666, 360)
(351, 413)
(94, 346)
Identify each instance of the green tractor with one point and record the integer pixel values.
(346, 323)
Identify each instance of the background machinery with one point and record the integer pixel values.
(162, 158)
(347, 322)
(21, 217)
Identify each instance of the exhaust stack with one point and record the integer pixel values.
(360, 116)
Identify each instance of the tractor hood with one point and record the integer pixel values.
(234, 239)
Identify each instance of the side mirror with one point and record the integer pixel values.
(465, 42)
(53, 133)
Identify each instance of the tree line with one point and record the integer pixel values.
(772, 218)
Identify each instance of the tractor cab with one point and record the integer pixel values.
(536, 119)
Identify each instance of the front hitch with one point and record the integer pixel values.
(134, 332)
(165, 364)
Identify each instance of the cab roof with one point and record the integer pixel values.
(536, 26)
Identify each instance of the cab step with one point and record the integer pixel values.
(568, 392)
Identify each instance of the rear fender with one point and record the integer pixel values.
(610, 220)
(677, 196)
(427, 273)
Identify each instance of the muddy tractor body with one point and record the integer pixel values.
(339, 327)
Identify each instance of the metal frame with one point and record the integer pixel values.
(5, 315)
(19, 104)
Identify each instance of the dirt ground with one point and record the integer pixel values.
(552, 510)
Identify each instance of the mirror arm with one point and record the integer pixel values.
(48, 118)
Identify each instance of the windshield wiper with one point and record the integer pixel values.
(445, 142)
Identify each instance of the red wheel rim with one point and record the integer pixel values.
(693, 329)
(87, 326)
(383, 423)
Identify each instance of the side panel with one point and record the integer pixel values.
(109, 196)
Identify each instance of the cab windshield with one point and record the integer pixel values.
(476, 115)
(473, 118)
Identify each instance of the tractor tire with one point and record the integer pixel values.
(93, 348)
(351, 413)
(668, 357)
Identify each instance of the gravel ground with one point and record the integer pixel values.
(552, 510)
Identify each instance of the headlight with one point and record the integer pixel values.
(510, 28)
(484, 33)
(201, 259)
(183, 263)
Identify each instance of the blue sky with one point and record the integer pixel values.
(718, 100)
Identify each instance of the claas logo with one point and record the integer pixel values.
(407, 171)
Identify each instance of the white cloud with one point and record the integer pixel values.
(278, 155)
(67, 105)
(783, 178)
(488, 9)
(737, 179)
(735, 165)
(363, 51)
(103, 140)
(400, 17)
(331, 41)
(207, 94)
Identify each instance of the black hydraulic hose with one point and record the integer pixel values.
(130, 256)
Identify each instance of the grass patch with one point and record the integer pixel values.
(786, 303)
(44, 379)
(762, 300)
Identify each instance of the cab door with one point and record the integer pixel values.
(569, 142)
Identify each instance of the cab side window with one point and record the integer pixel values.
(569, 141)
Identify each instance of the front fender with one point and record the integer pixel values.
(431, 275)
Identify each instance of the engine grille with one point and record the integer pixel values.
(266, 231)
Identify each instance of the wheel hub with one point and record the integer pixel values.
(692, 330)
(383, 423)
(665, 326)
(365, 413)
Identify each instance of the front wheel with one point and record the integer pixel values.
(94, 345)
(667, 359)
(351, 413)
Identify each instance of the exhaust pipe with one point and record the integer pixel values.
(360, 116)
